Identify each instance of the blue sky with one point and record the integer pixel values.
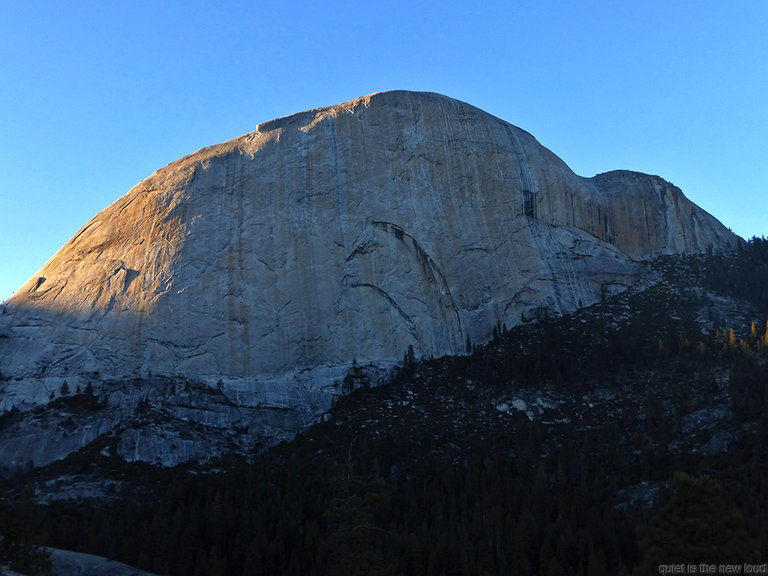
(95, 96)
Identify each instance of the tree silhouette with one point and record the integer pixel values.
(22, 537)
(699, 524)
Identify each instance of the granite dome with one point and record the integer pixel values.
(343, 233)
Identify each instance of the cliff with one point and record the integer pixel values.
(335, 235)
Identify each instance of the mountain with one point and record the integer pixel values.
(625, 436)
(240, 287)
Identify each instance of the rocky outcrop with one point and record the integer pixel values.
(338, 234)
(69, 563)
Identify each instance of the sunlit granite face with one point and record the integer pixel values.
(338, 234)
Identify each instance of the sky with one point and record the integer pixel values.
(95, 96)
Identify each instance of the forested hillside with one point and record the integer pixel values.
(629, 434)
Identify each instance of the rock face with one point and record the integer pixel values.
(338, 234)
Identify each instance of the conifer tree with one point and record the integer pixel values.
(22, 538)
(699, 524)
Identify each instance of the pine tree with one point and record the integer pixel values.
(409, 359)
(699, 524)
(21, 545)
